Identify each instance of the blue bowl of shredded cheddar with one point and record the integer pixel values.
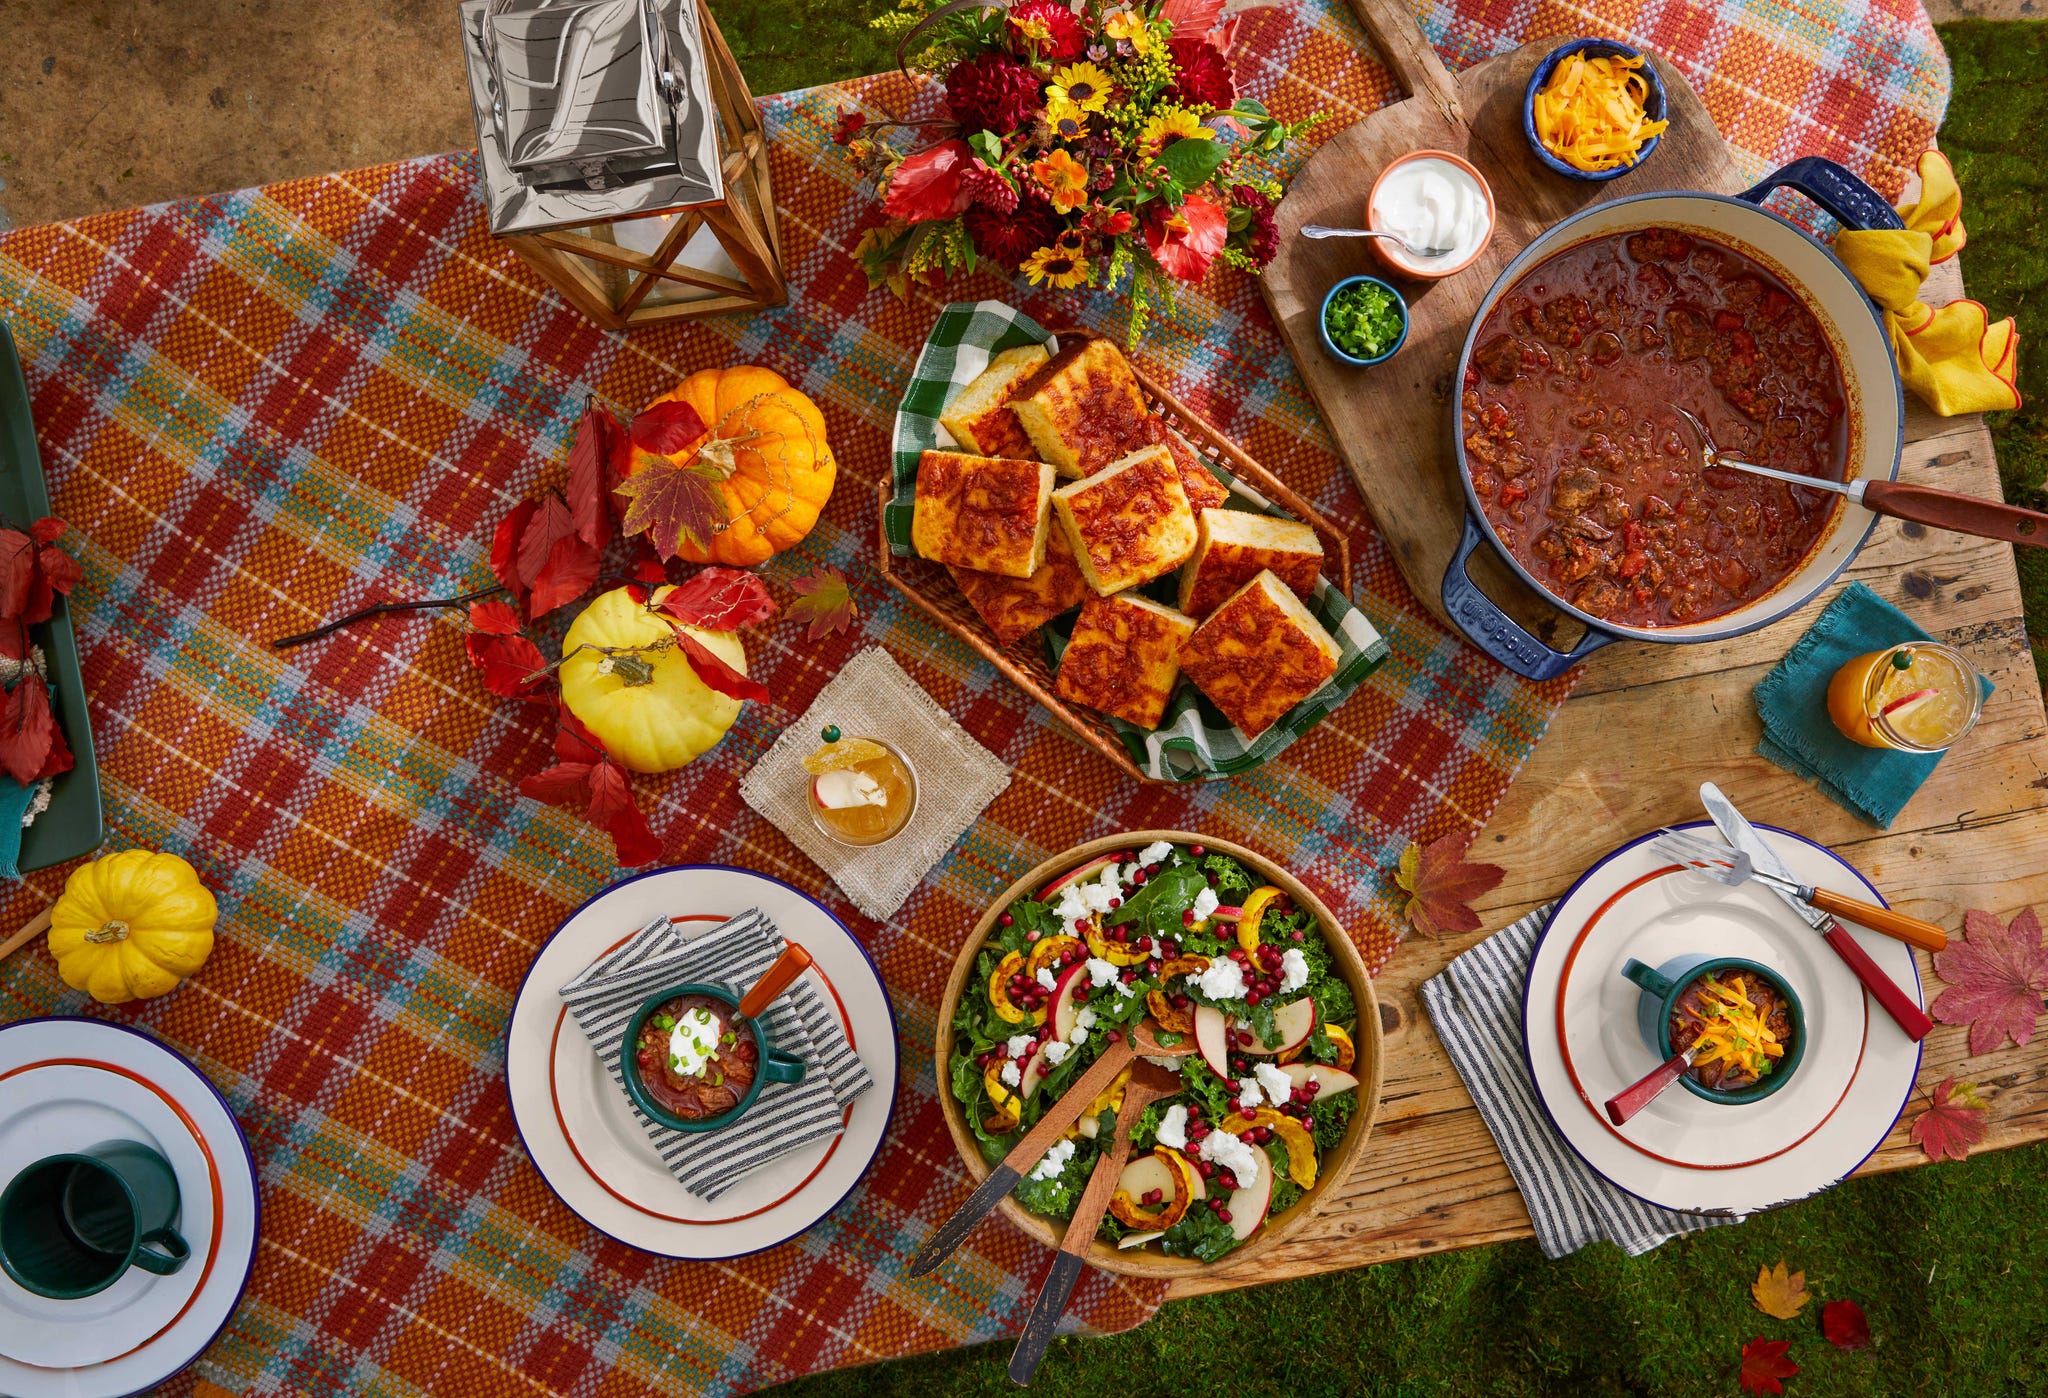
(1594, 109)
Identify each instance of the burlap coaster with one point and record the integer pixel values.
(872, 697)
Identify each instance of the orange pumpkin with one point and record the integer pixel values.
(766, 447)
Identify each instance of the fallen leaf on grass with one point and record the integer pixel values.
(1441, 885)
(1764, 1365)
(1845, 1326)
(1779, 1293)
(1954, 1120)
(1996, 977)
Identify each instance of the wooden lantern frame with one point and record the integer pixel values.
(743, 222)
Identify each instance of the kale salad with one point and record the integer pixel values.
(1219, 960)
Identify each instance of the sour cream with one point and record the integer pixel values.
(694, 1040)
(1433, 204)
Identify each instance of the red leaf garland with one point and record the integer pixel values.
(1997, 975)
(585, 775)
(1955, 1120)
(554, 561)
(1764, 1365)
(505, 549)
(715, 672)
(718, 599)
(826, 601)
(512, 665)
(1845, 1325)
(665, 428)
(591, 474)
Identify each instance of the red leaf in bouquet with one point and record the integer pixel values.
(493, 617)
(719, 599)
(666, 428)
(1955, 1120)
(1186, 240)
(1441, 885)
(505, 548)
(930, 184)
(27, 729)
(1765, 1367)
(590, 475)
(826, 601)
(671, 504)
(1845, 1325)
(715, 672)
(17, 571)
(1997, 975)
(509, 663)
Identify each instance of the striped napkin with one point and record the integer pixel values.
(1475, 1003)
(734, 954)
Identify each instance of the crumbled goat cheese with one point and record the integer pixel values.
(1173, 1127)
(1233, 1154)
(1011, 1074)
(1293, 969)
(1206, 903)
(1020, 1044)
(1154, 852)
(1162, 1060)
(1055, 1052)
(1279, 1087)
(1045, 978)
(1249, 1095)
(1086, 1019)
(1055, 1160)
(1224, 980)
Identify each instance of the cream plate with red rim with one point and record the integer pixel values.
(1682, 1151)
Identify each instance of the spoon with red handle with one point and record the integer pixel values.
(1630, 1100)
(1944, 509)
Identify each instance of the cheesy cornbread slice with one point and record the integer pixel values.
(987, 513)
(1205, 492)
(1015, 607)
(1083, 408)
(980, 418)
(1232, 546)
(1259, 654)
(1124, 657)
(1130, 522)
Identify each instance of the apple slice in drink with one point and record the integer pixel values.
(1212, 1037)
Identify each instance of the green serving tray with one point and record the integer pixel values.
(72, 825)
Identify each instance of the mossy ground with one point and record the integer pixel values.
(1950, 1262)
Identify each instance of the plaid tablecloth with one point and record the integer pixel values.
(266, 407)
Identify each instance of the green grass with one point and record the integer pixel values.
(1950, 1262)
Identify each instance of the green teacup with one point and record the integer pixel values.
(72, 1224)
(1662, 987)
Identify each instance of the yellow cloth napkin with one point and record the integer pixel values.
(1951, 356)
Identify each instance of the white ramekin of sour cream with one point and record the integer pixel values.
(1431, 198)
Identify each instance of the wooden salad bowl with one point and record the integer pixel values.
(1332, 1168)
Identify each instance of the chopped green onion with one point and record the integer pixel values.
(1364, 320)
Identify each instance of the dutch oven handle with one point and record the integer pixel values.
(1497, 633)
(1827, 184)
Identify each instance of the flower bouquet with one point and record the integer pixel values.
(1089, 143)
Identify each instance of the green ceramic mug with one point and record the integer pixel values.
(71, 1225)
(1662, 987)
(771, 1063)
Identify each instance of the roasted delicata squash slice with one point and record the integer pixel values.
(1009, 1107)
(999, 992)
(1163, 1012)
(1301, 1146)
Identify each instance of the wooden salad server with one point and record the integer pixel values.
(1038, 1140)
(1630, 1100)
(1923, 504)
(1149, 1082)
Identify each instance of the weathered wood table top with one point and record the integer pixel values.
(1646, 726)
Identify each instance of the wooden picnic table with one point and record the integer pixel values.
(1627, 753)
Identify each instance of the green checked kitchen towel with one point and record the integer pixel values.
(1193, 742)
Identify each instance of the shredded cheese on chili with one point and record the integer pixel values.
(1590, 114)
(1734, 1032)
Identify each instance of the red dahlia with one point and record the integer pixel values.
(985, 186)
(1063, 39)
(992, 93)
(1262, 238)
(1204, 74)
(1009, 238)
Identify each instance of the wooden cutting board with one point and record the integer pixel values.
(1391, 422)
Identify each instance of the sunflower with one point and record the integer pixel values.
(1060, 265)
(1080, 85)
(1068, 122)
(1173, 124)
(1063, 178)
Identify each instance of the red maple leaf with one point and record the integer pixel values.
(17, 571)
(585, 775)
(666, 428)
(553, 559)
(1764, 1365)
(1845, 1325)
(1441, 885)
(715, 672)
(1955, 1119)
(591, 476)
(718, 599)
(494, 617)
(826, 601)
(28, 730)
(672, 504)
(1997, 976)
(505, 548)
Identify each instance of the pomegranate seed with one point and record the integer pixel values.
(1181, 1002)
(1150, 870)
(1312, 1086)
(1138, 879)
(1204, 1168)
(1194, 1111)
(1143, 944)
(1197, 851)
(986, 1059)
(1308, 1123)
(1116, 1036)
(1007, 921)
(1223, 1214)
(1296, 934)
(1116, 902)
(1187, 919)
(1081, 993)
(1252, 997)
(1210, 879)
(1152, 967)
(1152, 1196)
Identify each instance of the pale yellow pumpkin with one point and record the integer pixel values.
(131, 926)
(652, 727)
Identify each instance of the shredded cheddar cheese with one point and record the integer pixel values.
(1734, 1032)
(1590, 114)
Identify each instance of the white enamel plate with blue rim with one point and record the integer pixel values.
(581, 1132)
(66, 1085)
(1683, 1152)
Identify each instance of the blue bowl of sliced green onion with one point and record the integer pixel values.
(1363, 321)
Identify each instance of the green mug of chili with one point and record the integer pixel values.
(1669, 990)
(72, 1224)
(695, 1056)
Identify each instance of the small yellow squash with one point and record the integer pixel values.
(131, 926)
(665, 722)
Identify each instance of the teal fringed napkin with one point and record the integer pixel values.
(1792, 701)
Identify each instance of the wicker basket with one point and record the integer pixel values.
(927, 584)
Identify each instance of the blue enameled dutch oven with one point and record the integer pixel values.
(1876, 407)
